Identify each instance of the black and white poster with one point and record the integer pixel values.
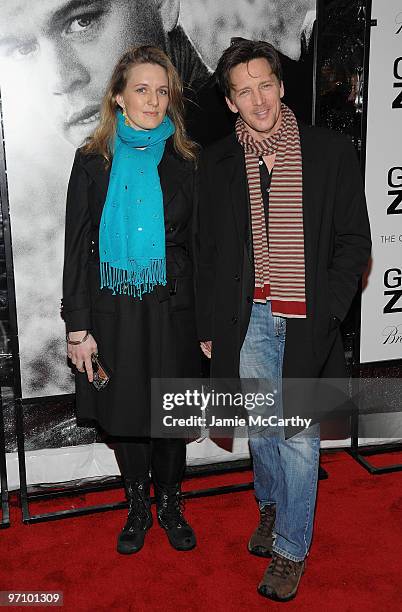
(56, 57)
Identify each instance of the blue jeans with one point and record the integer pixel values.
(285, 471)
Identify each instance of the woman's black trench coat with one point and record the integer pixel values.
(137, 339)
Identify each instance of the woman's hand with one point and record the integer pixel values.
(80, 354)
(206, 348)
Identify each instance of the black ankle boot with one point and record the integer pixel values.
(139, 520)
(170, 517)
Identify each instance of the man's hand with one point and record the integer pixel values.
(206, 348)
(80, 354)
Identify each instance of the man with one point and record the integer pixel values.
(283, 239)
(64, 52)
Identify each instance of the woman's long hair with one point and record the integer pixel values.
(103, 135)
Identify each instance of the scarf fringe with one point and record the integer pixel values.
(134, 282)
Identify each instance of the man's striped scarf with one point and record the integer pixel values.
(279, 270)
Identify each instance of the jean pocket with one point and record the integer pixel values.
(280, 327)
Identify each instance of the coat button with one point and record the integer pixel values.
(234, 320)
(237, 277)
(172, 228)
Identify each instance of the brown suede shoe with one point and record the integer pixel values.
(281, 579)
(260, 543)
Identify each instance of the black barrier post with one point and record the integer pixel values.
(359, 453)
(322, 474)
(35, 494)
(32, 493)
(29, 493)
(5, 508)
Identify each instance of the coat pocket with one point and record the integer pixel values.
(181, 293)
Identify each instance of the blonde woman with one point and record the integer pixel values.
(128, 279)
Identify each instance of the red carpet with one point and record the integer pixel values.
(354, 565)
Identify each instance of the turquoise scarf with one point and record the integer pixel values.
(132, 230)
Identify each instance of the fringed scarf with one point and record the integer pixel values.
(132, 231)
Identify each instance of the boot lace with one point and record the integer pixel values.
(138, 511)
(172, 509)
(282, 567)
(267, 519)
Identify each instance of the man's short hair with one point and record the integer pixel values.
(241, 51)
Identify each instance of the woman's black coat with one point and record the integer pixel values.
(137, 339)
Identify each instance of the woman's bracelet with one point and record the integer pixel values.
(75, 342)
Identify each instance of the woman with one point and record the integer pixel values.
(127, 283)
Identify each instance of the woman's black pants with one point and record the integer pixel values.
(165, 458)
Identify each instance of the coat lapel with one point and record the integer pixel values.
(172, 172)
(96, 168)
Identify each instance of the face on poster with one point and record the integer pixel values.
(56, 57)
